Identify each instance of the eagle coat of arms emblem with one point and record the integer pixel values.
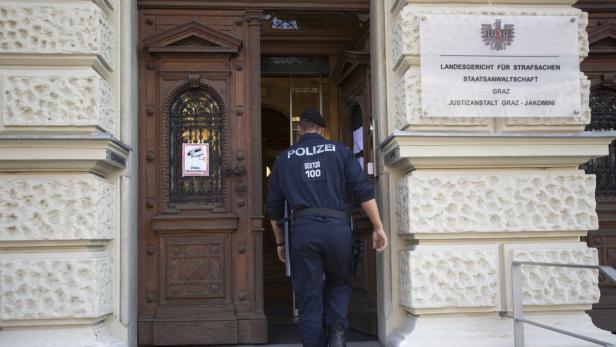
(497, 36)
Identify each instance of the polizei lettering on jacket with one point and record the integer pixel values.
(306, 151)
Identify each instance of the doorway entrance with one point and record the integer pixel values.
(288, 86)
(206, 271)
(336, 83)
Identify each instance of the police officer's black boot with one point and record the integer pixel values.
(335, 336)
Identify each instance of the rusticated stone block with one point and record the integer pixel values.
(496, 203)
(56, 208)
(449, 277)
(55, 288)
(69, 99)
(55, 29)
(405, 34)
(544, 285)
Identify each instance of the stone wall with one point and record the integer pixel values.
(404, 59)
(53, 27)
(53, 207)
(448, 277)
(554, 285)
(497, 202)
(59, 217)
(50, 288)
(457, 225)
(57, 98)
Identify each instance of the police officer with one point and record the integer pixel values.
(314, 176)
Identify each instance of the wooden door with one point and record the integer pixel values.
(352, 75)
(200, 229)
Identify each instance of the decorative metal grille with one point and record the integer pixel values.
(196, 116)
(603, 107)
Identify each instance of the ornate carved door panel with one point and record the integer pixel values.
(200, 226)
(352, 75)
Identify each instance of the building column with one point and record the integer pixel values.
(64, 195)
(470, 195)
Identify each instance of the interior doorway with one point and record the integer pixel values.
(288, 86)
(326, 67)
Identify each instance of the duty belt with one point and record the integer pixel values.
(330, 212)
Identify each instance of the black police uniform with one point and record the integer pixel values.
(317, 173)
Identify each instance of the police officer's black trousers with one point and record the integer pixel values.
(320, 245)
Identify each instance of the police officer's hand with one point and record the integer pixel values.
(379, 239)
(281, 252)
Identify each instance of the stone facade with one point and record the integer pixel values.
(56, 208)
(456, 228)
(469, 278)
(450, 203)
(449, 277)
(73, 98)
(405, 51)
(56, 288)
(554, 285)
(51, 29)
(60, 219)
(65, 231)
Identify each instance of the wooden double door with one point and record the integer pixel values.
(201, 173)
(200, 231)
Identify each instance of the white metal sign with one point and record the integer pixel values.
(500, 66)
(195, 159)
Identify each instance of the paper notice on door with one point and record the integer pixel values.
(195, 159)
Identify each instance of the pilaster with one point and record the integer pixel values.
(61, 168)
(473, 194)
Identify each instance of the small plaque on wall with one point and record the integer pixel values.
(500, 66)
(195, 159)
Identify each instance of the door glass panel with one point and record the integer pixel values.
(305, 92)
(305, 84)
(195, 117)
